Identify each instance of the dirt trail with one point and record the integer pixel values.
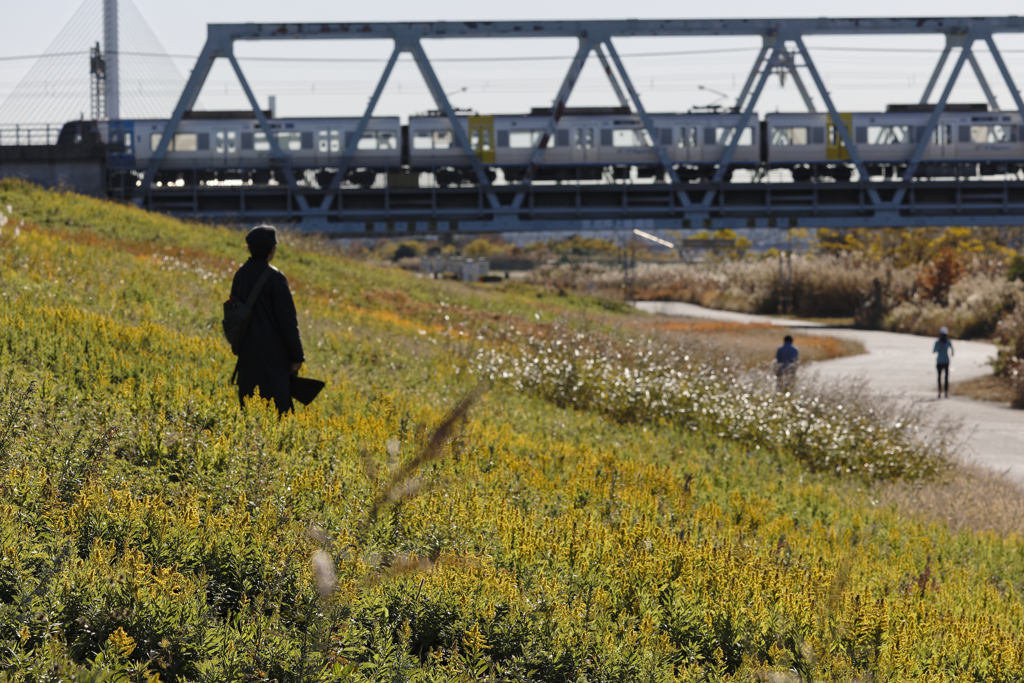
(902, 366)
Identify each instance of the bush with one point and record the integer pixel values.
(974, 307)
(1015, 268)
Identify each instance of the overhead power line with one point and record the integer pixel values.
(539, 58)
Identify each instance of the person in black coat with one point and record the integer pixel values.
(271, 350)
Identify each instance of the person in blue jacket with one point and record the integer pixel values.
(944, 348)
(786, 359)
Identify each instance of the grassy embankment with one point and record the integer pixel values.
(611, 508)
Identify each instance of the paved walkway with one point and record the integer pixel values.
(902, 366)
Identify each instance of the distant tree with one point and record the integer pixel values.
(583, 246)
(482, 248)
(403, 251)
(941, 273)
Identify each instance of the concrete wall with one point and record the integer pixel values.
(79, 167)
(82, 176)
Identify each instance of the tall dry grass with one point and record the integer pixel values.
(975, 306)
(822, 286)
(970, 498)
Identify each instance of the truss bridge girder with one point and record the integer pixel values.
(870, 201)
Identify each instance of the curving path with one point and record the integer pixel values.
(902, 366)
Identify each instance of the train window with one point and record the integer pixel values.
(290, 141)
(526, 139)
(422, 139)
(474, 139)
(724, 136)
(186, 142)
(442, 139)
(128, 143)
(387, 140)
(687, 136)
(260, 142)
(942, 135)
(335, 141)
(321, 141)
(889, 135)
(218, 142)
(232, 142)
(182, 142)
(367, 142)
(993, 134)
(630, 137)
(784, 137)
(521, 139)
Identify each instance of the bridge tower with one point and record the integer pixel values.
(111, 95)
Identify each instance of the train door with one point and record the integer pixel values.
(481, 137)
(225, 147)
(121, 144)
(836, 150)
(687, 147)
(328, 146)
(941, 146)
(584, 145)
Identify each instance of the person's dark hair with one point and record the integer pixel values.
(788, 339)
(261, 240)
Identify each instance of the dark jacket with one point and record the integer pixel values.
(787, 356)
(272, 342)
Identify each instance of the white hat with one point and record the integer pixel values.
(943, 330)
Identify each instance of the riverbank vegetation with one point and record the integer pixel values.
(916, 281)
(498, 483)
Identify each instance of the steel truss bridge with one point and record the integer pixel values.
(481, 206)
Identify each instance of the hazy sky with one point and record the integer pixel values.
(859, 80)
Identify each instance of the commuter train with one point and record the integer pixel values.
(588, 144)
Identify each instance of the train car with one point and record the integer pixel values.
(586, 142)
(227, 143)
(965, 134)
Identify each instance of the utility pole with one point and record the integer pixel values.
(112, 105)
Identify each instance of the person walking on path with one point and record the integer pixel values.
(271, 350)
(944, 348)
(786, 359)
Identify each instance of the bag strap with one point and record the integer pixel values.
(259, 286)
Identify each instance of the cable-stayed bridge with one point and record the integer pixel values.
(930, 162)
(139, 79)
